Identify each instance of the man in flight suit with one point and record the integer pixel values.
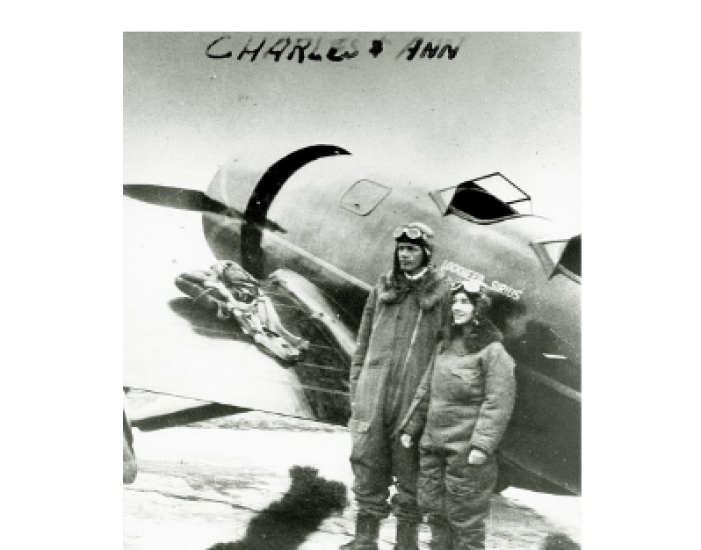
(397, 339)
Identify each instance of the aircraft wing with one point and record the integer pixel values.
(173, 346)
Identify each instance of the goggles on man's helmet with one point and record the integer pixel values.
(414, 233)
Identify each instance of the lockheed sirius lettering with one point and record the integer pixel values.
(330, 49)
(496, 286)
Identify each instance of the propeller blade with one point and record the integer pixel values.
(187, 199)
(175, 197)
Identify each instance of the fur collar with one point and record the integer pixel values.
(431, 288)
(478, 334)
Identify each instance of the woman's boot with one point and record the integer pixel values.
(407, 536)
(367, 531)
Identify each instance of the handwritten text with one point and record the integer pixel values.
(335, 50)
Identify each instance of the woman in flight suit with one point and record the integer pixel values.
(470, 400)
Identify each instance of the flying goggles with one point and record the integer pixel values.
(413, 233)
(470, 285)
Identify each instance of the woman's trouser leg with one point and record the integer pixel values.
(468, 492)
(432, 499)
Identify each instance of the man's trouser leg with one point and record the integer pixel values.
(468, 492)
(371, 464)
(370, 461)
(405, 506)
(432, 500)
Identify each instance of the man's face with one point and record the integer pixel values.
(410, 257)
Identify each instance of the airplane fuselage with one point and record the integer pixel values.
(336, 219)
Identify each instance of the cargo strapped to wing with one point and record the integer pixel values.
(241, 297)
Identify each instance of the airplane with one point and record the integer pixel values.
(315, 227)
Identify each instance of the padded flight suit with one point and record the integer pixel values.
(471, 399)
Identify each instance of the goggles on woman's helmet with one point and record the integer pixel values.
(469, 285)
(414, 233)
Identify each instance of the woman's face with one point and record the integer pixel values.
(462, 308)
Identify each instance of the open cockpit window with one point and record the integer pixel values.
(486, 199)
(561, 256)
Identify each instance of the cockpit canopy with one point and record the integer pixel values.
(494, 198)
(486, 199)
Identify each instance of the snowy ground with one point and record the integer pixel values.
(259, 481)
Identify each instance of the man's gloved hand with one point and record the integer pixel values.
(477, 456)
(405, 440)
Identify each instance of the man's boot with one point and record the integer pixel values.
(367, 531)
(441, 537)
(407, 536)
